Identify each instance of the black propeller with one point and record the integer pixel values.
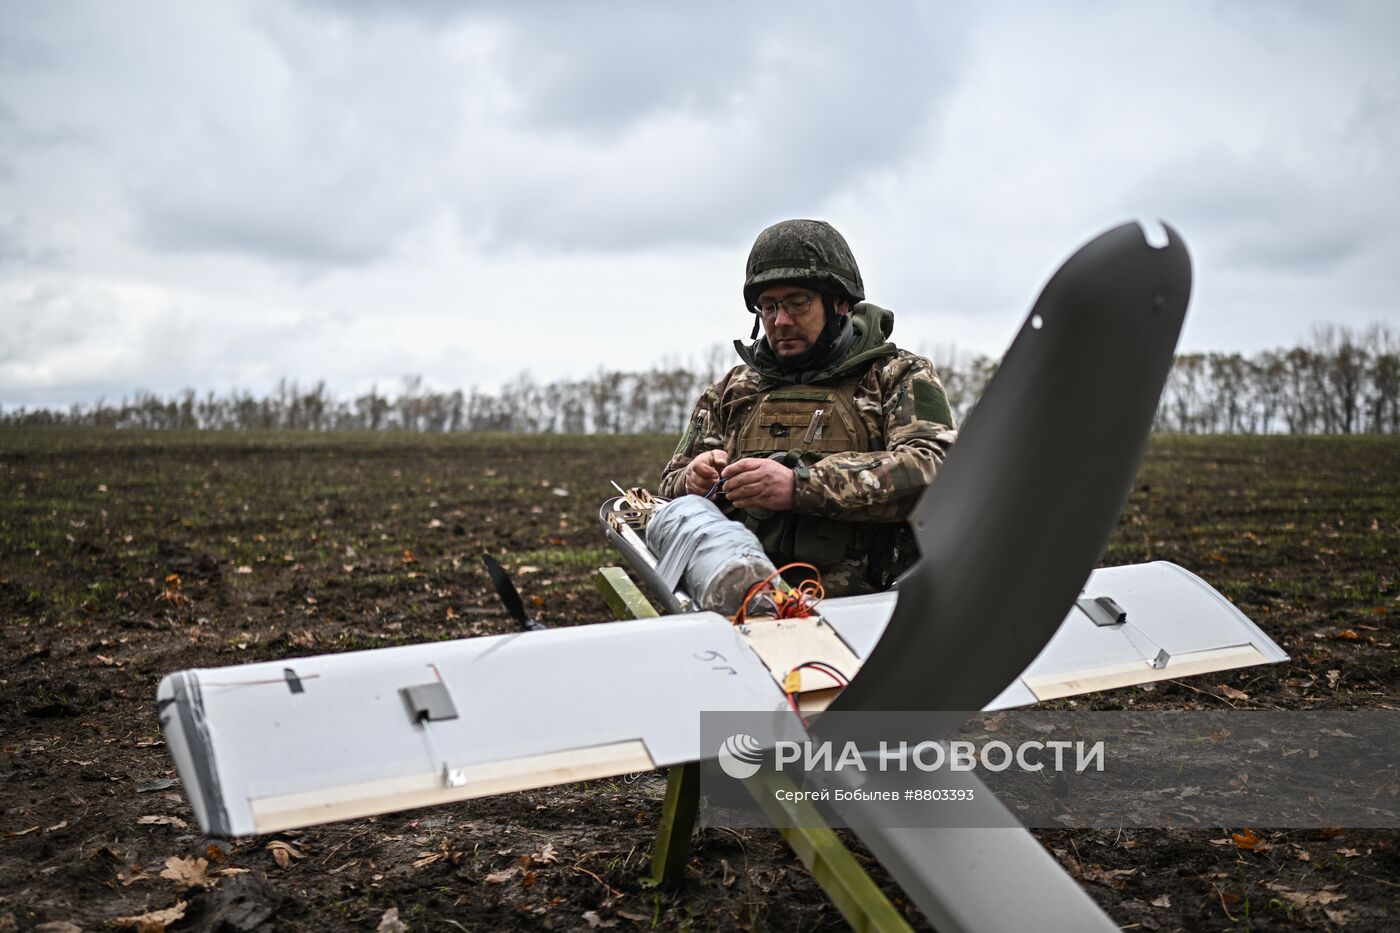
(510, 595)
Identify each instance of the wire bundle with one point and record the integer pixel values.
(787, 602)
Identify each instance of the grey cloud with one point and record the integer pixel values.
(1376, 116)
(558, 128)
(22, 248)
(1264, 214)
(646, 63)
(19, 46)
(47, 319)
(648, 126)
(590, 69)
(431, 12)
(805, 111)
(301, 230)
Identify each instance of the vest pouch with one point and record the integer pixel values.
(822, 541)
(820, 420)
(804, 424)
(788, 537)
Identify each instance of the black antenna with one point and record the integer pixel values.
(510, 595)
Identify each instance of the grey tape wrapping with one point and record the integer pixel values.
(719, 559)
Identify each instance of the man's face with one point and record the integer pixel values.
(790, 333)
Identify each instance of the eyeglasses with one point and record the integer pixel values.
(796, 304)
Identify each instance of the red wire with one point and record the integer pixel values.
(827, 669)
(799, 603)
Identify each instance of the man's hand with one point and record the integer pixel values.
(703, 472)
(758, 482)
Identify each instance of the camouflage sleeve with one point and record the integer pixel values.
(882, 486)
(702, 432)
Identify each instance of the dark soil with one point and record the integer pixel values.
(126, 556)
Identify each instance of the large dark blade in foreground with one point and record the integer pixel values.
(1009, 531)
(1023, 507)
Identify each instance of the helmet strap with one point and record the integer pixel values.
(754, 335)
(832, 330)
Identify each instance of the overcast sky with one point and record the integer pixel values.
(220, 194)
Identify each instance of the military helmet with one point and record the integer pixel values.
(808, 251)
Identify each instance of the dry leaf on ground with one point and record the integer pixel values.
(133, 874)
(1305, 898)
(154, 921)
(282, 853)
(502, 876)
(1164, 901)
(188, 872)
(1249, 840)
(390, 922)
(1113, 877)
(1231, 692)
(156, 819)
(547, 855)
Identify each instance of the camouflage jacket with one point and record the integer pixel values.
(905, 414)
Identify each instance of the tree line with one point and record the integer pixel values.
(1338, 381)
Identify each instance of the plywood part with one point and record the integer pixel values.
(782, 644)
(1129, 673)
(425, 789)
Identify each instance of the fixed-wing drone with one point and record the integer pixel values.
(1001, 610)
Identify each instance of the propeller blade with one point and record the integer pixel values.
(1024, 506)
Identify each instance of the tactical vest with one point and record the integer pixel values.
(797, 426)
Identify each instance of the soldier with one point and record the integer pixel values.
(828, 433)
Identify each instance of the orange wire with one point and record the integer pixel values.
(801, 599)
